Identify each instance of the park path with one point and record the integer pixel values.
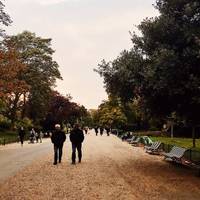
(111, 170)
(13, 157)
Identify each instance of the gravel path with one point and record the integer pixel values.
(111, 170)
(14, 157)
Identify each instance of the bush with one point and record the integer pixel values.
(26, 123)
(5, 123)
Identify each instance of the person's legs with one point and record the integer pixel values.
(60, 153)
(22, 140)
(73, 153)
(55, 154)
(79, 148)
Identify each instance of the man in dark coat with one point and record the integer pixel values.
(58, 138)
(76, 138)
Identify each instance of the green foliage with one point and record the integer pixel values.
(25, 122)
(161, 71)
(41, 74)
(122, 76)
(5, 123)
(110, 114)
(170, 44)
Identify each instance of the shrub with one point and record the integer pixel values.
(5, 123)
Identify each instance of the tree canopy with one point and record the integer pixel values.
(161, 71)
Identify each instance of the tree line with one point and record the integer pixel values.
(27, 82)
(160, 74)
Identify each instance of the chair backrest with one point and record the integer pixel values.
(178, 151)
(147, 140)
(133, 137)
(137, 140)
(157, 145)
(154, 145)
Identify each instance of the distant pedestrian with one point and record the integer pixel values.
(21, 135)
(96, 130)
(86, 129)
(58, 138)
(107, 130)
(32, 135)
(101, 130)
(37, 136)
(76, 138)
(40, 136)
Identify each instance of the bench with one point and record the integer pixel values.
(175, 154)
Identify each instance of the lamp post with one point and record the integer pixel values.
(171, 123)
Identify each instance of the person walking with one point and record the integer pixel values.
(96, 130)
(86, 129)
(107, 130)
(58, 138)
(21, 135)
(32, 135)
(76, 138)
(101, 130)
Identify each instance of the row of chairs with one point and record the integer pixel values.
(176, 154)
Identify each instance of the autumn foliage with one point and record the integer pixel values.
(11, 70)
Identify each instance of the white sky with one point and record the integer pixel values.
(83, 32)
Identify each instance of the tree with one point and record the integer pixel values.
(42, 71)
(4, 19)
(111, 114)
(63, 111)
(171, 44)
(168, 53)
(122, 77)
(12, 87)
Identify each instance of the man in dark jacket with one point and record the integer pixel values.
(58, 138)
(76, 138)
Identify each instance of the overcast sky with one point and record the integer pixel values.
(83, 33)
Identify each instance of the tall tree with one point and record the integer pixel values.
(42, 71)
(171, 45)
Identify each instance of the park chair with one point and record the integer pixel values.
(146, 141)
(134, 137)
(176, 154)
(155, 148)
(136, 140)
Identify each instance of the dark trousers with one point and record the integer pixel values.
(78, 147)
(58, 153)
(21, 140)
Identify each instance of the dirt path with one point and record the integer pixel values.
(111, 170)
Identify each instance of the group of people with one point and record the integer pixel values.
(101, 130)
(58, 138)
(33, 136)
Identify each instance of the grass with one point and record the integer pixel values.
(181, 142)
(8, 137)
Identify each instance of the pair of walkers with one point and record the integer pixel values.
(58, 138)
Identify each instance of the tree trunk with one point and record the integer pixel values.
(13, 110)
(172, 130)
(193, 137)
(24, 106)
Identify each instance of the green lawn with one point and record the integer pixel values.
(181, 142)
